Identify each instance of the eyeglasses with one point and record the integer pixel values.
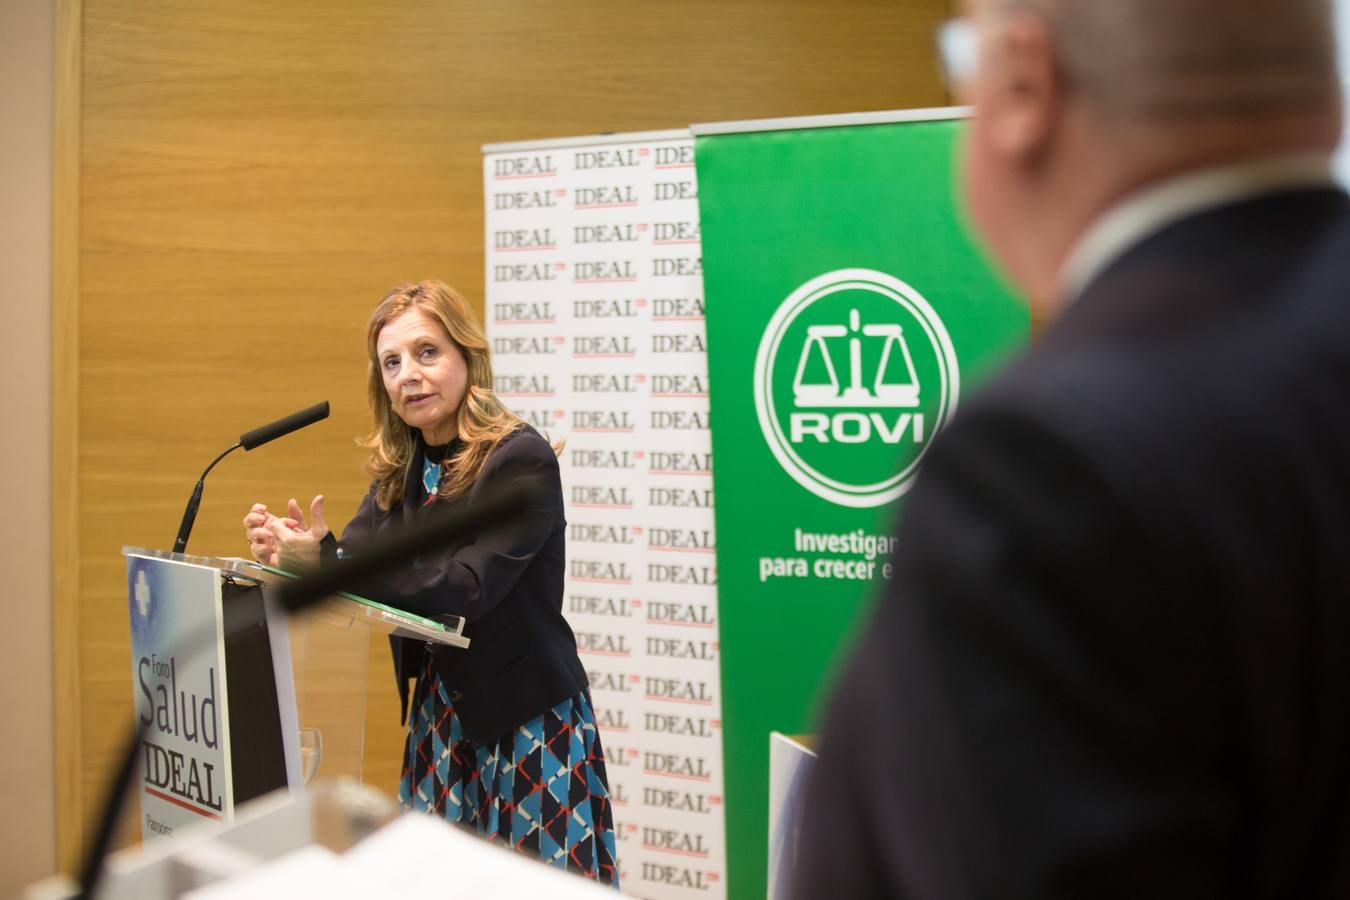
(958, 52)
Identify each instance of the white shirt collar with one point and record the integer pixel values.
(1152, 208)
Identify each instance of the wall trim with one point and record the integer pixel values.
(68, 762)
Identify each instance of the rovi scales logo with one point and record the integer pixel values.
(854, 375)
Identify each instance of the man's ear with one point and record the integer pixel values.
(1026, 96)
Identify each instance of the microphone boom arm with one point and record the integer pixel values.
(190, 513)
(248, 440)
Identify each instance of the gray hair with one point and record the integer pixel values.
(1172, 60)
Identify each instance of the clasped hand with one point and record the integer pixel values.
(286, 542)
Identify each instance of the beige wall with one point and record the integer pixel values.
(27, 833)
(253, 175)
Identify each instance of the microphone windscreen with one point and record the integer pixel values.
(273, 430)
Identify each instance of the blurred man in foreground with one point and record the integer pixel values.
(1115, 660)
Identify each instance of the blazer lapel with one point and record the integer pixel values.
(409, 655)
(412, 483)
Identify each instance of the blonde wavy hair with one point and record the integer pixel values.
(481, 421)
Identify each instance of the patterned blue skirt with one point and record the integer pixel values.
(541, 789)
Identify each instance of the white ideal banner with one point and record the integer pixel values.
(595, 313)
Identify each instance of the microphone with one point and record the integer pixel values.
(248, 440)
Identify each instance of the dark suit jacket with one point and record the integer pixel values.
(1115, 660)
(507, 583)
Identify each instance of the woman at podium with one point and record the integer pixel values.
(502, 736)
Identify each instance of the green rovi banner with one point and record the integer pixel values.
(848, 314)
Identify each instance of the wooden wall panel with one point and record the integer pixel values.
(253, 175)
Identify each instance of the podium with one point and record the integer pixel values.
(239, 700)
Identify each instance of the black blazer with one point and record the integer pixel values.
(506, 582)
(1115, 658)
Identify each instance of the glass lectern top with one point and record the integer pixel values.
(342, 605)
